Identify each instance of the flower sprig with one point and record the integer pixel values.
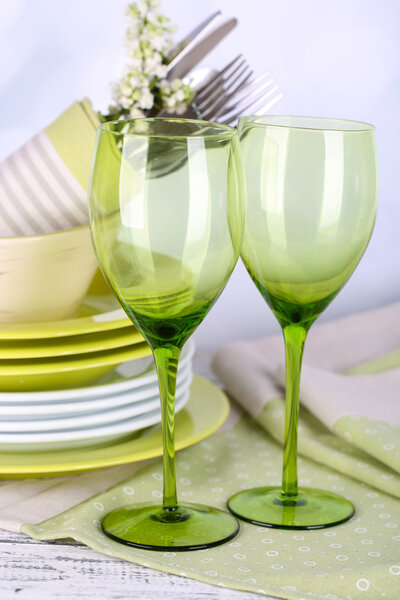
(144, 86)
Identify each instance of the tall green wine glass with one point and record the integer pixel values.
(166, 218)
(311, 204)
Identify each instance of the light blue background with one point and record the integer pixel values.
(336, 59)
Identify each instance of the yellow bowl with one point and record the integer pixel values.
(45, 277)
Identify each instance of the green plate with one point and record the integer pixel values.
(99, 311)
(67, 346)
(205, 411)
(41, 374)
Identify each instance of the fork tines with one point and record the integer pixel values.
(217, 82)
(233, 91)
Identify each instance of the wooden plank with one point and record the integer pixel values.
(33, 570)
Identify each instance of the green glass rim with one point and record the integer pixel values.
(307, 123)
(199, 128)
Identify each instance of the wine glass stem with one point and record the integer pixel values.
(166, 359)
(295, 336)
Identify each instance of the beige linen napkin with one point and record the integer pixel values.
(34, 500)
(43, 184)
(349, 421)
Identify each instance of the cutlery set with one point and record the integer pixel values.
(227, 93)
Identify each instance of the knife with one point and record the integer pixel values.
(196, 50)
(197, 32)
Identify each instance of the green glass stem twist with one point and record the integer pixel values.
(295, 336)
(166, 360)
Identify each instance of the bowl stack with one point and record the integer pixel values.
(85, 379)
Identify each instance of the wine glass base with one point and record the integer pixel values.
(312, 508)
(186, 527)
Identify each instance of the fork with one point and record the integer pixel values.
(232, 91)
(223, 97)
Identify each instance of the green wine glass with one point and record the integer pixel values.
(167, 220)
(311, 205)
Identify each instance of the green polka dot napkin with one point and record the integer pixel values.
(357, 560)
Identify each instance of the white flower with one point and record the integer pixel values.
(125, 102)
(164, 85)
(153, 66)
(142, 6)
(129, 14)
(180, 108)
(176, 84)
(151, 63)
(161, 71)
(180, 95)
(136, 113)
(170, 103)
(154, 6)
(126, 90)
(159, 43)
(146, 98)
(135, 81)
(148, 39)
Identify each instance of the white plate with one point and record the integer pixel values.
(127, 376)
(92, 419)
(89, 436)
(10, 411)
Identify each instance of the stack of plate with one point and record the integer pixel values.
(80, 382)
(70, 353)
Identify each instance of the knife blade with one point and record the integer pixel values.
(193, 36)
(198, 49)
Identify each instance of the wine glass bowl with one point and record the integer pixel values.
(311, 205)
(167, 218)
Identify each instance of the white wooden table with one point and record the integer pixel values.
(33, 570)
